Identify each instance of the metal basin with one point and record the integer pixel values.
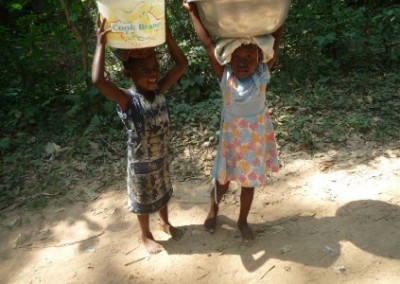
(242, 18)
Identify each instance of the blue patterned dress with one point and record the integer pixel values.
(148, 177)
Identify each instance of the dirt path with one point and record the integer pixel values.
(330, 218)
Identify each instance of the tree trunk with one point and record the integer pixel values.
(82, 43)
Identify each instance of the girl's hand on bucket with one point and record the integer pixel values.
(186, 5)
(101, 33)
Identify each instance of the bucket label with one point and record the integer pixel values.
(141, 23)
(122, 28)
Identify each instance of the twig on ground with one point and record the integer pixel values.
(137, 260)
(110, 146)
(132, 249)
(272, 267)
(63, 245)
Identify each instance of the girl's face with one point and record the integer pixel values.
(145, 73)
(244, 60)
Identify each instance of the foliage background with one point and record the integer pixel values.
(337, 76)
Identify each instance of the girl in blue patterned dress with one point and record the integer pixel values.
(247, 149)
(143, 110)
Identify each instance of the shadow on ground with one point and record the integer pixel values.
(373, 226)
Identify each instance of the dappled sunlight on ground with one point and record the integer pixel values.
(333, 217)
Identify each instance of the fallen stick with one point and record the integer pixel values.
(63, 245)
(272, 267)
(134, 261)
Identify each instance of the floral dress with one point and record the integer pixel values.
(148, 177)
(247, 148)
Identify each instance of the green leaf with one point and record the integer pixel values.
(5, 143)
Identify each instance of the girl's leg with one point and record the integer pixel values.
(147, 237)
(211, 220)
(246, 199)
(166, 226)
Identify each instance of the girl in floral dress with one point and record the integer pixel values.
(247, 149)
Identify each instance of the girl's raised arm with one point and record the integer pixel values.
(278, 34)
(173, 75)
(106, 88)
(204, 38)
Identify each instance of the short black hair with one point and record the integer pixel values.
(134, 61)
(131, 62)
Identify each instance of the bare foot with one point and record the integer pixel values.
(211, 221)
(151, 245)
(175, 233)
(247, 233)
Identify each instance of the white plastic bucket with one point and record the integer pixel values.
(133, 23)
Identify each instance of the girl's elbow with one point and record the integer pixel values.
(185, 64)
(182, 66)
(97, 82)
(95, 78)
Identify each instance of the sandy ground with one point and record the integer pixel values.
(333, 217)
